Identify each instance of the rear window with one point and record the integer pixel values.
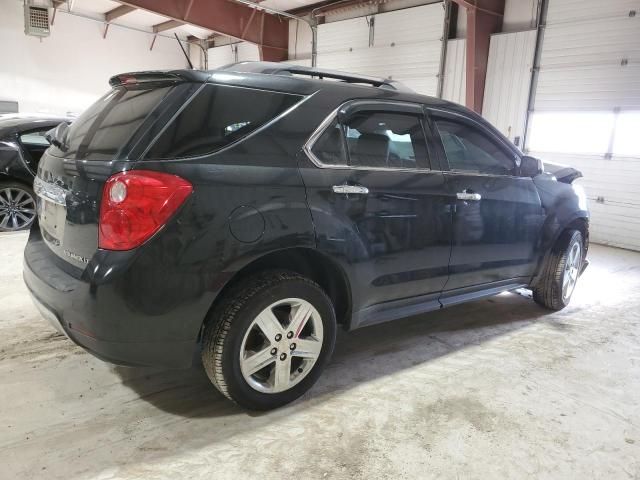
(105, 128)
(216, 117)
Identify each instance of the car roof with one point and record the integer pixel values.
(295, 79)
(306, 78)
(13, 122)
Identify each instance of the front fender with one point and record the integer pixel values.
(565, 207)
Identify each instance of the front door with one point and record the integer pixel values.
(498, 215)
(33, 143)
(377, 206)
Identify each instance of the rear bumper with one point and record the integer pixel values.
(101, 318)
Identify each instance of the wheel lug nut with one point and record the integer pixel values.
(283, 356)
(290, 335)
(278, 337)
(292, 346)
(274, 351)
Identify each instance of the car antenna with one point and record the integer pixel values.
(183, 51)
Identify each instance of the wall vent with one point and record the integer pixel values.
(36, 18)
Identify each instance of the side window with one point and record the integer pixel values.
(218, 116)
(390, 140)
(374, 139)
(35, 138)
(329, 148)
(468, 149)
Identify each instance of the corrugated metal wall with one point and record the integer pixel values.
(591, 63)
(583, 67)
(219, 56)
(235, 52)
(404, 45)
(455, 76)
(508, 82)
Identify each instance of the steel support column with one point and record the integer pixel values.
(269, 31)
(484, 17)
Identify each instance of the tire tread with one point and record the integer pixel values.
(225, 313)
(548, 291)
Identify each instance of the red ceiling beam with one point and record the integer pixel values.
(269, 32)
(118, 12)
(168, 25)
(484, 17)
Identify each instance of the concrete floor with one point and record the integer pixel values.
(494, 389)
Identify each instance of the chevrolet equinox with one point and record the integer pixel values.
(248, 211)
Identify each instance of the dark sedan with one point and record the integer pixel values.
(22, 143)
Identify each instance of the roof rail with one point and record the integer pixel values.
(274, 68)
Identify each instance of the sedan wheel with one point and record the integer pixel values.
(17, 208)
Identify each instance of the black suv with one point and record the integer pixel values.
(22, 143)
(250, 210)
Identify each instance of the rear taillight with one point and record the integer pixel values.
(136, 204)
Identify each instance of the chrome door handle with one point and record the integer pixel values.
(475, 197)
(350, 189)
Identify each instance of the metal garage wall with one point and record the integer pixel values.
(234, 52)
(591, 63)
(404, 45)
(455, 72)
(224, 55)
(506, 91)
(585, 45)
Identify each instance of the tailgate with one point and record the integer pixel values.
(69, 206)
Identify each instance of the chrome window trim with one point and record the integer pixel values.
(319, 131)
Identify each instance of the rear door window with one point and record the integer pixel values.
(329, 148)
(216, 117)
(106, 127)
(374, 140)
(35, 138)
(34, 143)
(385, 140)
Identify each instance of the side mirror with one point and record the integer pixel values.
(531, 166)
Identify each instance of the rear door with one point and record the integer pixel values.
(378, 202)
(498, 216)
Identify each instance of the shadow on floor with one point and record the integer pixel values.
(360, 356)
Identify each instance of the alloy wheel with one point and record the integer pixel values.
(571, 271)
(281, 345)
(17, 208)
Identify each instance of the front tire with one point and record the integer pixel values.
(561, 272)
(269, 339)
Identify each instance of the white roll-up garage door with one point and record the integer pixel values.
(404, 45)
(587, 108)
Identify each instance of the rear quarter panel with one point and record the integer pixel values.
(247, 201)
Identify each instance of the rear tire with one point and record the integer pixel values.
(561, 272)
(269, 339)
(17, 207)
